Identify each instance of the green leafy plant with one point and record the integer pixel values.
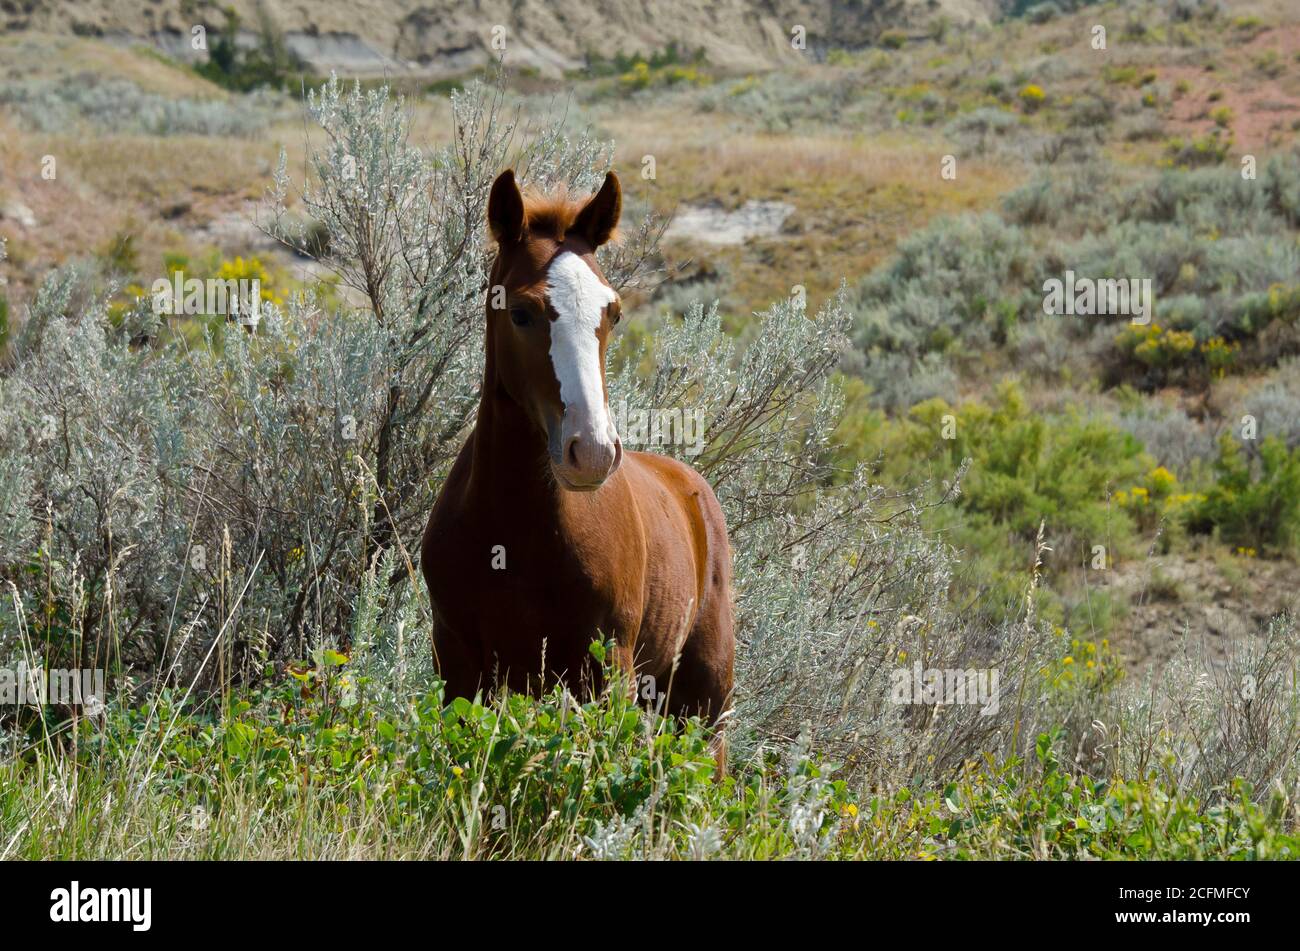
(269, 63)
(1253, 502)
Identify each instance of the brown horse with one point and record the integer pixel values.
(547, 532)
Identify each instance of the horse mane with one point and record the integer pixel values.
(552, 213)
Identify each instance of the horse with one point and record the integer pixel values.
(547, 534)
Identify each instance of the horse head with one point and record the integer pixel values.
(550, 312)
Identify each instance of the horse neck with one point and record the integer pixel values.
(509, 455)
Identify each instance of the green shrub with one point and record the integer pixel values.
(642, 76)
(1210, 149)
(270, 63)
(1017, 469)
(1032, 97)
(1157, 498)
(1270, 63)
(1256, 310)
(620, 63)
(1090, 111)
(1156, 347)
(1121, 75)
(1249, 25)
(1027, 469)
(1253, 503)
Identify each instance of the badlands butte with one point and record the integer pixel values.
(447, 38)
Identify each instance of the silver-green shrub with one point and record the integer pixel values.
(120, 106)
(187, 514)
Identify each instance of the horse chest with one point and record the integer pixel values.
(503, 581)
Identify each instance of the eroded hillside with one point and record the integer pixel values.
(446, 37)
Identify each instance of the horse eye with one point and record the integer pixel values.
(520, 317)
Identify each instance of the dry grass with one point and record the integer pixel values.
(855, 195)
(41, 56)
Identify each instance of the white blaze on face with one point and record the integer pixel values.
(579, 297)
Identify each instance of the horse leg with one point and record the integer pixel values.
(623, 669)
(455, 664)
(718, 747)
(701, 685)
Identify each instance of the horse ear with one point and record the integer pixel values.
(506, 209)
(599, 217)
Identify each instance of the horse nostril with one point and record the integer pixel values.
(573, 452)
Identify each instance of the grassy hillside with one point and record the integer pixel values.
(918, 464)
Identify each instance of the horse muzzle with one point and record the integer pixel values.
(585, 457)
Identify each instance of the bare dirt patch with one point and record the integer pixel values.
(713, 224)
(1260, 88)
(1213, 599)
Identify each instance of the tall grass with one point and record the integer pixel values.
(331, 765)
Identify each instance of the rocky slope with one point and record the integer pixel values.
(449, 37)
